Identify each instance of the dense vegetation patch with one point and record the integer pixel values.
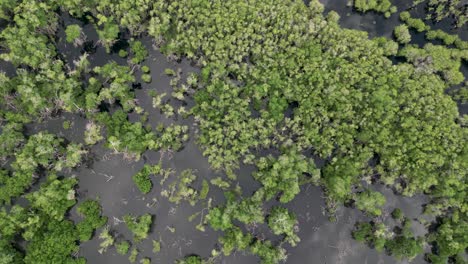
(381, 6)
(327, 104)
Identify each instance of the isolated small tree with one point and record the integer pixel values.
(402, 34)
(122, 247)
(74, 34)
(139, 226)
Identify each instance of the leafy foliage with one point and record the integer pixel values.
(436, 59)
(275, 75)
(40, 151)
(401, 246)
(73, 32)
(139, 226)
(371, 233)
(107, 240)
(114, 85)
(133, 139)
(193, 259)
(281, 221)
(142, 180)
(404, 247)
(235, 239)
(48, 237)
(382, 6)
(415, 23)
(30, 19)
(146, 78)
(450, 238)
(133, 255)
(108, 31)
(282, 175)
(204, 190)
(447, 38)
(145, 261)
(402, 34)
(156, 246)
(123, 136)
(180, 189)
(91, 211)
(10, 138)
(246, 210)
(139, 51)
(92, 134)
(439, 10)
(122, 247)
(370, 202)
(54, 198)
(55, 244)
(267, 252)
(341, 173)
(397, 214)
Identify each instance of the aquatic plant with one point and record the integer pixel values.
(381, 6)
(397, 214)
(142, 180)
(440, 9)
(133, 255)
(370, 202)
(107, 240)
(92, 133)
(74, 34)
(156, 246)
(281, 221)
(138, 51)
(139, 226)
(402, 34)
(180, 190)
(235, 239)
(193, 259)
(283, 174)
(267, 252)
(91, 211)
(122, 247)
(276, 76)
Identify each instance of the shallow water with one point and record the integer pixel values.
(107, 177)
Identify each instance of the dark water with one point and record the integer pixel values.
(108, 178)
(377, 25)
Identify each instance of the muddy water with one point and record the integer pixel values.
(107, 177)
(377, 25)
